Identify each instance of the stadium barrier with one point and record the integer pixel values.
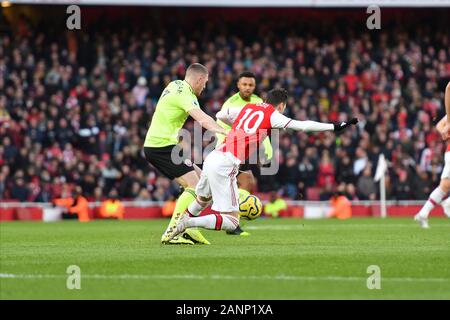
(13, 211)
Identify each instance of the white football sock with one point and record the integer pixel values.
(435, 198)
(196, 207)
(214, 222)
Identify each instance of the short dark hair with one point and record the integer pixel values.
(247, 74)
(277, 96)
(197, 68)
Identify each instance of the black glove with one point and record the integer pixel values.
(338, 127)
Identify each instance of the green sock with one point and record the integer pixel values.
(183, 202)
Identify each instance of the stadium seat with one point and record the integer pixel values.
(313, 194)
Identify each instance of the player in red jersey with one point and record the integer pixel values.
(217, 182)
(438, 194)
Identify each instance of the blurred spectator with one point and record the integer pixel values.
(360, 162)
(112, 208)
(402, 188)
(350, 192)
(110, 175)
(19, 190)
(126, 183)
(344, 170)
(307, 172)
(10, 151)
(98, 195)
(275, 205)
(140, 91)
(2, 185)
(326, 170)
(326, 193)
(291, 176)
(421, 185)
(367, 189)
(144, 195)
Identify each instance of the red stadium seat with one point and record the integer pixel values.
(313, 194)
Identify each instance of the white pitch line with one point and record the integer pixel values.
(213, 277)
(303, 225)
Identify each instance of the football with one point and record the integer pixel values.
(250, 208)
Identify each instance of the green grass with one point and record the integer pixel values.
(282, 259)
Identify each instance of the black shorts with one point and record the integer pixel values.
(161, 159)
(248, 167)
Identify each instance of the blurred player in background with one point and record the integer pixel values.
(441, 192)
(246, 181)
(177, 102)
(250, 126)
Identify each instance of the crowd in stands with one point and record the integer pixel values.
(75, 106)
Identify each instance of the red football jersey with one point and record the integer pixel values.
(251, 126)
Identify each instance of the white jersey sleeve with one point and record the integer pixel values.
(279, 121)
(228, 115)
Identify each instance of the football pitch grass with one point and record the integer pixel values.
(282, 259)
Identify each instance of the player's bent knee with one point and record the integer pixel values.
(188, 180)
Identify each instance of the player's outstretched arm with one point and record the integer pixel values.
(206, 121)
(280, 121)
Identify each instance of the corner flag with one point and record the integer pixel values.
(381, 168)
(379, 176)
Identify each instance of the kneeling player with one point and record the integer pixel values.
(218, 179)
